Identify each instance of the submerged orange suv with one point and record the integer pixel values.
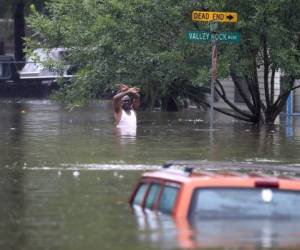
(185, 193)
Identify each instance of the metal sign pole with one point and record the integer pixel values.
(212, 92)
(213, 27)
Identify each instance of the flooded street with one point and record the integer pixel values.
(66, 176)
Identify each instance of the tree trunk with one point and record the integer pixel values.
(169, 104)
(269, 117)
(19, 32)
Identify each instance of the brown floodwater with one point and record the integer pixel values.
(66, 176)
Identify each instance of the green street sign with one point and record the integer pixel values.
(205, 36)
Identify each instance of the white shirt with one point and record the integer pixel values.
(127, 120)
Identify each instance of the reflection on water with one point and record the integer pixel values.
(247, 233)
(168, 233)
(161, 230)
(126, 134)
(289, 126)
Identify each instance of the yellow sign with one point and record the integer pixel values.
(207, 16)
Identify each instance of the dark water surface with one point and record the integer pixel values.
(66, 176)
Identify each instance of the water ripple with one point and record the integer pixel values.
(86, 167)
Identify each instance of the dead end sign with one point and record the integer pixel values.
(209, 16)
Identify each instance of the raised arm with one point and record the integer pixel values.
(118, 97)
(117, 101)
(136, 100)
(123, 87)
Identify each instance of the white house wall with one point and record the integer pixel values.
(230, 90)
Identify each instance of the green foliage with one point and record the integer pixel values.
(275, 21)
(137, 42)
(270, 41)
(143, 43)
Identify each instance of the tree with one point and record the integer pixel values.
(143, 42)
(270, 32)
(138, 41)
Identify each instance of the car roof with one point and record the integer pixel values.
(224, 179)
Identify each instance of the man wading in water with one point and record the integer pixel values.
(126, 102)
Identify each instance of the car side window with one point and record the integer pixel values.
(167, 200)
(152, 195)
(139, 195)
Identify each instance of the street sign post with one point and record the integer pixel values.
(213, 28)
(214, 37)
(213, 79)
(222, 37)
(209, 16)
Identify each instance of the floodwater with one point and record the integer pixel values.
(66, 176)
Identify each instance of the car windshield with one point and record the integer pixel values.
(244, 203)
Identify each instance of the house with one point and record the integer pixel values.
(234, 96)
